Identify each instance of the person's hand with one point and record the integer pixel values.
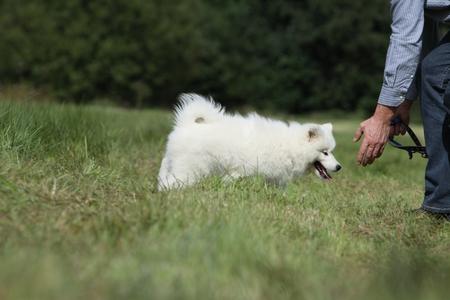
(376, 132)
(403, 113)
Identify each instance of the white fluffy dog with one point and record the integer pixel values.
(208, 141)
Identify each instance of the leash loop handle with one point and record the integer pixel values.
(418, 148)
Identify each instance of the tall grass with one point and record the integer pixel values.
(80, 217)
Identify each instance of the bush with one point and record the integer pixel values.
(280, 54)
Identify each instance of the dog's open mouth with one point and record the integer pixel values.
(322, 171)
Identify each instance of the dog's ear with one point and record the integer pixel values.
(313, 133)
(328, 126)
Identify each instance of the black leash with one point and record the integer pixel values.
(418, 148)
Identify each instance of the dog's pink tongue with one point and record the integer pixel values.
(322, 171)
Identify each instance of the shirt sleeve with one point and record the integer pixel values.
(404, 50)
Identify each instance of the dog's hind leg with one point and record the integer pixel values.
(170, 182)
(163, 176)
(167, 179)
(177, 173)
(231, 176)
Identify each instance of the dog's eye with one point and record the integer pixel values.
(325, 153)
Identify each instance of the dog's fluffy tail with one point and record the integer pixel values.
(193, 108)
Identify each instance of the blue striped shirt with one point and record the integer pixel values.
(411, 36)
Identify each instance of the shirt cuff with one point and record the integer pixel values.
(391, 97)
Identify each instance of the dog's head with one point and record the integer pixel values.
(322, 143)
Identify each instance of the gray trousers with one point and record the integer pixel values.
(435, 108)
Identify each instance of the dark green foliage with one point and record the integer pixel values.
(280, 54)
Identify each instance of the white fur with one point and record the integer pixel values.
(207, 141)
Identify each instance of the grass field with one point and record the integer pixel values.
(80, 218)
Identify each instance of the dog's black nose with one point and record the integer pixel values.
(338, 167)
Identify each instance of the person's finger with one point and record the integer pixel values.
(380, 151)
(359, 132)
(368, 161)
(403, 130)
(369, 155)
(377, 152)
(366, 154)
(362, 152)
(392, 131)
(398, 129)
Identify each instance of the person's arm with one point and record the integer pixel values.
(429, 42)
(401, 63)
(404, 50)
